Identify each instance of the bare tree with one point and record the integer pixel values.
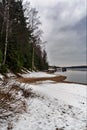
(6, 21)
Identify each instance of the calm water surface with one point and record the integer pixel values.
(75, 76)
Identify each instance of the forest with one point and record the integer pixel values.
(20, 37)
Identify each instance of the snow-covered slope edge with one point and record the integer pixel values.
(55, 106)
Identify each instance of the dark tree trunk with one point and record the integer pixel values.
(6, 18)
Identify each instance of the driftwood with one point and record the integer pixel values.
(59, 129)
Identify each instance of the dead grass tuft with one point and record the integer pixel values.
(25, 92)
(10, 103)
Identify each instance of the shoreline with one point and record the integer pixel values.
(73, 82)
(56, 79)
(34, 80)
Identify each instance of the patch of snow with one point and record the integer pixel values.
(25, 71)
(1, 77)
(55, 105)
(73, 94)
(58, 105)
(44, 82)
(9, 75)
(37, 75)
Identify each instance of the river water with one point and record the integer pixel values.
(75, 76)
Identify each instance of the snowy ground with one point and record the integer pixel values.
(55, 105)
(1, 77)
(37, 74)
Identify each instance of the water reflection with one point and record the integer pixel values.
(75, 76)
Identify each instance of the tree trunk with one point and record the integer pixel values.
(33, 59)
(7, 30)
(4, 19)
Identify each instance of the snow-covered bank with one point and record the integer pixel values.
(37, 74)
(73, 94)
(54, 105)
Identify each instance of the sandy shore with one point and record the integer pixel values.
(37, 79)
(33, 80)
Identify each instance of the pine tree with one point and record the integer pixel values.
(20, 37)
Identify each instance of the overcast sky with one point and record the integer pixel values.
(64, 26)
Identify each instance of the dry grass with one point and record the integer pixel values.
(25, 92)
(33, 80)
(10, 103)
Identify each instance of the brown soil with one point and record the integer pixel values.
(33, 80)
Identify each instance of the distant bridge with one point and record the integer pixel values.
(56, 68)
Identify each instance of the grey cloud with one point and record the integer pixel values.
(67, 44)
(80, 26)
(64, 26)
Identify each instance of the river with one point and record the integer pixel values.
(75, 76)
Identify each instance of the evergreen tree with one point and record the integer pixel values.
(20, 37)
